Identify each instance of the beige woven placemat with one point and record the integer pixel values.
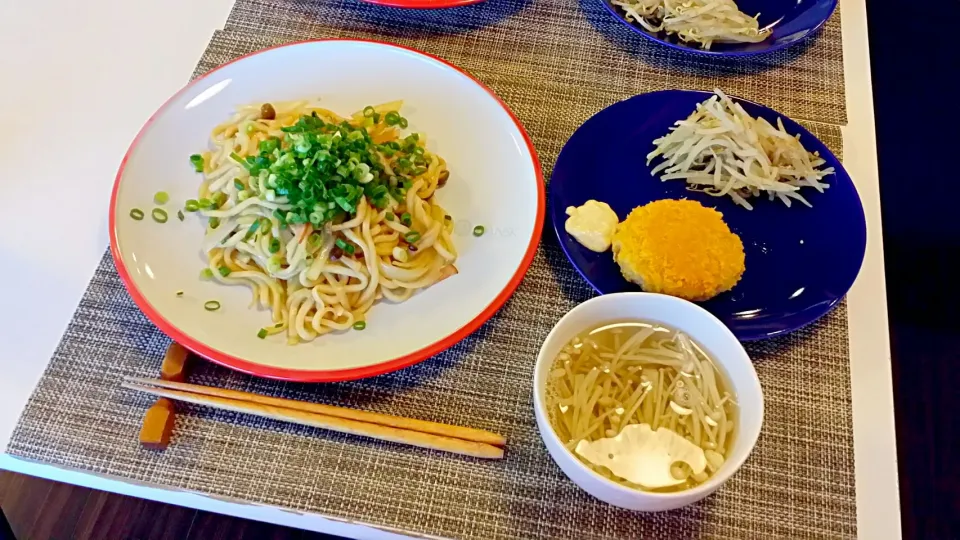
(799, 482)
(573, 50)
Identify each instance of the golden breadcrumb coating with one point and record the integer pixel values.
(680, 248)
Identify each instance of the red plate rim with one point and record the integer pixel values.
(388, 366)
(422, 4)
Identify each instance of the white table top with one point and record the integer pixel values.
(88, 75)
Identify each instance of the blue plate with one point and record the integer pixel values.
(791, 20)
(800, 261)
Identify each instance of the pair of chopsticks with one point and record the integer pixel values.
(422, 433)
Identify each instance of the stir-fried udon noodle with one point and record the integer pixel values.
(322, 216)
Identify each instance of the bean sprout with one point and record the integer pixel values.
(721, 150)
(696, 21)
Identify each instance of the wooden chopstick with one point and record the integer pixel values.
(446, 430)
(441, 436)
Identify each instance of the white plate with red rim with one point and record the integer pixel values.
(495, 181)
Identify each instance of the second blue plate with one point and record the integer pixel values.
(800, 261)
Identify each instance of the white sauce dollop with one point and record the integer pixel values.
(592, 224)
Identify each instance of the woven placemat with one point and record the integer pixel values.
(551, 112)
(799, 482)
(573, 50)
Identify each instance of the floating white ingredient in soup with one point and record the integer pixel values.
(643, 456)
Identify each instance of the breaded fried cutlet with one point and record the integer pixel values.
(680, 248)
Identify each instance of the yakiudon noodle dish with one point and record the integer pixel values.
(642, 405)
(321, 215)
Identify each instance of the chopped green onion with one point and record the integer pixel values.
(191, 205)
(253, 228)
(322, 171)
(214, 222)
(478, 230)
(161, 197)
(262, 333)
(418, 171)
(179, 293)
(206, 273)
(359, 325)
(211, 305)
(274, 245)
(269, 145)
(403, 123)
(224, 271)
(136, 214)
(219, 200)
(349, 250)
(412, 237)
(197, 161)
(273, 264)
(159, 215)
(204, 203)
(406, 219)
(341, 244)
(389, 216)
(238, 184)
(180, 215)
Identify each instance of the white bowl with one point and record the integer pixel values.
(704, 329)
(495, 181)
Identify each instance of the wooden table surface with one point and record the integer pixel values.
(40, 509)
(921, 239)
